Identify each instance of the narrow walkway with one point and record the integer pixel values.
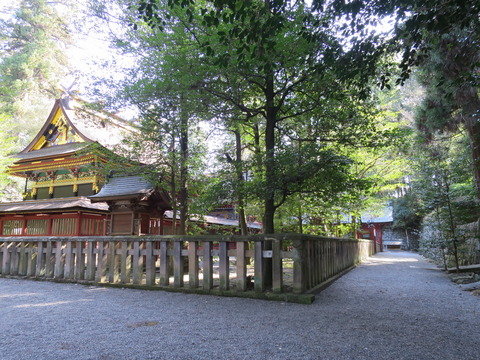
(394, 306)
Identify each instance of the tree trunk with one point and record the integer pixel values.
(173, 191)
(270, 173)
(240, 189)
(300, 217)
(183, 171)
(471, 110)
(173, 185)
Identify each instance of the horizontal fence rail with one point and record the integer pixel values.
(281, 263)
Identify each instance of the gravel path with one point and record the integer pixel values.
(394, 306)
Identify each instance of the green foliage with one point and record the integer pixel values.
(275, 74)
(7, 144)
(33, 62)
(407, 211)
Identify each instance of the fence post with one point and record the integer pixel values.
(207, 265)
(137, 277)
(6, 259)
(150, 263)
(277, 269)
(90, 271)
(192, 264)
(2, 247)
(100, 262)
(124, 259)
(69, 261)
(80, 263)
(49, 260)
(30, 259)
(298, 266)
(241, 283)
(177, 264)
(39, 265)
(22, 266)
(259, 266)
(224, 266)
(59, 263)
(164, 277)
(13, 259)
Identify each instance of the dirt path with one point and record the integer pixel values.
(394, 306)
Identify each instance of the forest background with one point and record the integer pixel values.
(303, 115)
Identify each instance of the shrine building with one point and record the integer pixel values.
(66, 192)
(62, 167)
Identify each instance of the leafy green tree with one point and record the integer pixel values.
(291, 76)
(161, 86)
(442, 191)
(6, 147)
(442, 39)
(452, 104)
(34, 60)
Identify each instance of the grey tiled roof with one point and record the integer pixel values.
(51, 151)
(124, 186)
(51, 205)
(215, 220)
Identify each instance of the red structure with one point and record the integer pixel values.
(372, 228)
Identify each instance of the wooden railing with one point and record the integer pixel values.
(282, 263)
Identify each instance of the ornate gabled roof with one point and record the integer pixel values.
(71, 123)
(52, 205)
(71, 136)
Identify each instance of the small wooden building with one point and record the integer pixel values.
(135, 206)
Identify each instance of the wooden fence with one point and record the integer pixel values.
(280, 263)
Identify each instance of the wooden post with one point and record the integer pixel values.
(207, 265)
(49, 260)
(13, 259)
(58, 271)
(124, 257)
(90, 257)
(149, 264)
(298, 267)
(100, 262)
(23, 259)
(31, 261)
(39, 264)
(241, 282)
(277, 269)
(69, 261)
(259, 267)
(164, 277)
(2, 246)
(80, 261)
(111, 262)
(137, 277)
(224, 266)
(192, 264)
(177, 264)
(6, 259)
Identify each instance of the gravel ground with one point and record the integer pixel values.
(394, 306)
